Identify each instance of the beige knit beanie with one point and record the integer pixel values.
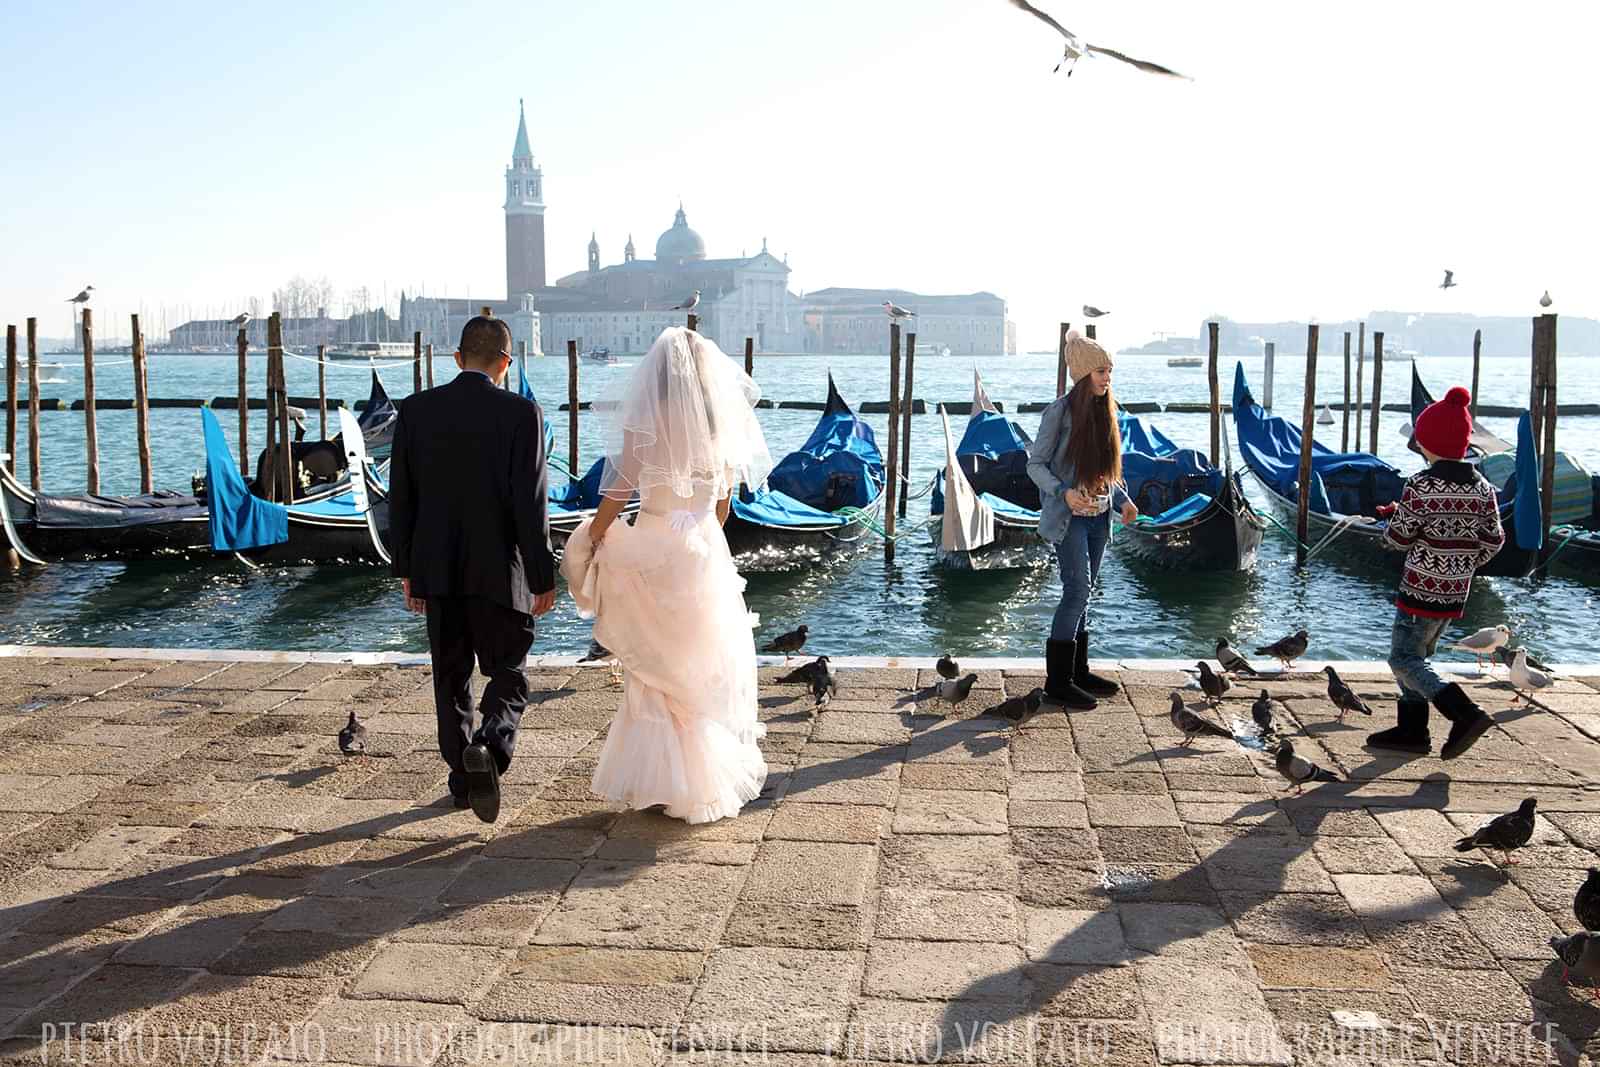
(1084, 355)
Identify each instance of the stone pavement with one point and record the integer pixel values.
(190, 872)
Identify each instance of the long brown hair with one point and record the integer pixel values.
(1095, 443)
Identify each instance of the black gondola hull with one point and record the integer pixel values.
(1224, 536)
(1015, 545)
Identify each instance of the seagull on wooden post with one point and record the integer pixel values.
(689, 304)
(1449, 280)
(897, 313)
(1544, 301)
(1076, 48)
(240, 320)
(83, 296)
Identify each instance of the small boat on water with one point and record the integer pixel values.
(1325, 416)
(984, 513)
(368, 351)
(1347, 489)
(1192, 516)
(1185, 361)
(600, 354)
(818, 501)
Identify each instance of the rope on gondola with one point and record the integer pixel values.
(1338, 528)
(1567, 534)
(868, 522)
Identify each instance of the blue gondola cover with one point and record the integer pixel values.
(549, 429)
(838, 466)
(238, 519)
(994, 455)
(1527, 520)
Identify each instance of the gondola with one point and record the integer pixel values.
(995, 505)
(322, 462)
(1192, 516)
(1348, 487)
(818, 500)
(1575, 510)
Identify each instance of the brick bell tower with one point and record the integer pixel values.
(524, 217)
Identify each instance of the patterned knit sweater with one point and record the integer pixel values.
(1448, 525)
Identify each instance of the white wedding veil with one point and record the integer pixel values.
(683, 420)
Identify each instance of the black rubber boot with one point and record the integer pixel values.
(1058, 686)
(1467, 720)
(1083, 678)
(1409, 735)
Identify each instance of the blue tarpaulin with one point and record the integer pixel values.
(582, 494)
(772, 508)
(1526, 517)
(838, 466)
(238, 520)
(1180, 512)
(1137, 437)
(549, 430)
(994, 455)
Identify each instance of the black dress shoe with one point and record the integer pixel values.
(483, 782)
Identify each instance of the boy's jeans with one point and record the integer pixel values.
(1411, 645)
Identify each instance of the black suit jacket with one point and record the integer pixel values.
(467, 488)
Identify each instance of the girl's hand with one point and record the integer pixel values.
(1130, 513)
(1078, 502)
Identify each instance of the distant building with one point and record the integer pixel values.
(304, 332)
(853, 320)
(1422, 333)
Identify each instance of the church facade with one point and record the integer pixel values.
(624, 306)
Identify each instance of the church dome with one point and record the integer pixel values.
(680, 243)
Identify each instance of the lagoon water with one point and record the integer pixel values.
(854, 606)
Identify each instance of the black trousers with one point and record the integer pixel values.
(461, 630)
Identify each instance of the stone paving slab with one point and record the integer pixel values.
(181, 846)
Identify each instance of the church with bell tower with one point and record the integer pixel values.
(524, 217)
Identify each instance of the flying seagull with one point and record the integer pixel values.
(1092, 312)
(896, 312)
(1449, 280)
(1076, 48)
(83, 296)
(689, 304)
(1544, 301)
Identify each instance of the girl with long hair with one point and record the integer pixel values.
(1076, 462)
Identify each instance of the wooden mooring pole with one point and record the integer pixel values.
(1089, 331)
(894, 441)
(694, 321)
(242, 342)
(322, 388)
(1361, 361)
(92, 440)
(285, 466)
(1212, 346)
(33, 404)
(750, 357)
(1545, 339)
(1061, 360)
(1536, 386)
(1477, 360)
(427, 361)
(1377, 388)
(1269, 374)
(1308, 423)
(1344, 433)
(11, 399)
(141, 408)
(572, 408)
(416, 361)
(906, 404)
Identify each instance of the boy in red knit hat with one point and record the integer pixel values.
(1448, 524)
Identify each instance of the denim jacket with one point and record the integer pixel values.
(1052, 471)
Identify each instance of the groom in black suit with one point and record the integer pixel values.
(471, 544)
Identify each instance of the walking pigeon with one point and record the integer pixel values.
(1580, 956)
(353, 737)
(1526, 680)
(1213, 685)
(1261, 715)
(947, 667)
(1503, 833)
(788, 643)
(1297, 771)
(803, 674)
(1191, 725)
(1485, 642)
(1344, 698)
(1231, 661)
(1019, 707)
(953, 691)
(1586, 902)
(824, 683)
(1288, 649)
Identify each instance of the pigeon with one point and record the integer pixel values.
(1019, 707)
(1586, 904)
(1288, 649)
(689, 304)
(82, 297)
(1544, 301)
(240, 320)
(1343, 697)
(1092, 312)
(1449, 280)
(1506, 656)
(803, 674)
(353, 737)
(1297, 771)
(896, 312)
(1504, 832)
(954, 690)
(1579, 955)
(824, 683)
(1261, 715)
(596, 653)
(1231, 661)
(1213, 685)
(1076, 49)
(1191, 725)
(788, 643)
(1525, 679)
(1484, 642)
(947, 667)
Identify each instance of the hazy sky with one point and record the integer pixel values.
(1327, 160)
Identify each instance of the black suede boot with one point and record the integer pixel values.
(1083, 678)
(1058, 686)
(1467, 720)
(1409, 735)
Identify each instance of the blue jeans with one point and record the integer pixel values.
(1411, 643)
(1079, 554)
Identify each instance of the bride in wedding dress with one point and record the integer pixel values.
(664, 594)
